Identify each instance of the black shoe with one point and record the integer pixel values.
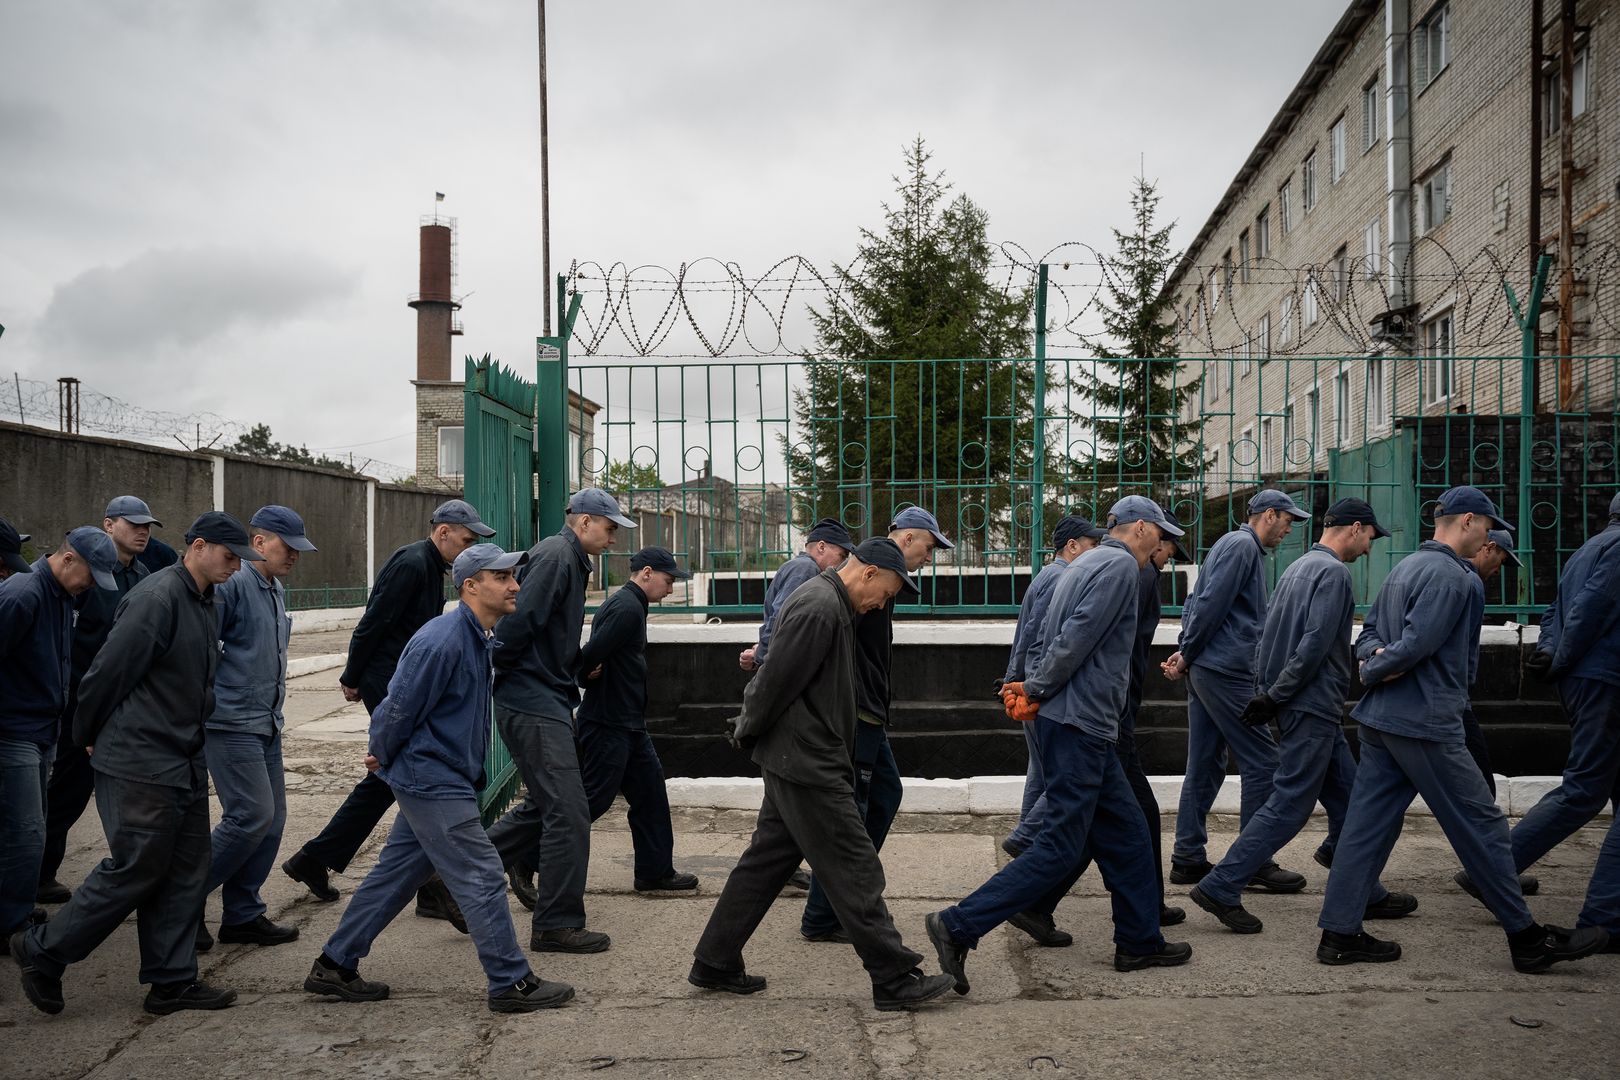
(1323, 856)
(52, 892)
(732, 982)
(1363, 948)
(836, 936)
(1189, 873)
(261, 931)
(1557, 944)
(310, 873)
(1170, 954)
(1529, 885)
(433, 901)
(522, 879)
(674, 883)
(1042, 929)
(1274, 879)
(952, 957)
(574, 939)
(1235, 917)
(909, 991)
(44, 991)
(1397, 905)
(800, 881)
(345, 984)
(1171, 916)
(1012, 849)
(175, 997)
(204, 940)
(531, 995)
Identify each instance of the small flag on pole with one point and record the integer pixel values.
(438, 196)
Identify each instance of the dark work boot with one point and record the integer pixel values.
(433, 901)
(952, 957)
(1042, 929)
(258, 931)
(1538, 948)
(335, 981)
(175, 997)
(1189, 873)
(909, 990)
(311, 874)
(732, 982)
(1397, 905)
(1274, 879)
(1170, 954)
(522, 880)
(1235, 917)
(531, 995)
(1362, 948)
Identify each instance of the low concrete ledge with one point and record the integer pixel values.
(310, 665)
(986, 795)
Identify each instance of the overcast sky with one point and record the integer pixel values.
(214, 206)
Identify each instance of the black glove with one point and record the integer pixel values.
(1538, 665)
(996, 689)
(1260, 710)
(743, 744)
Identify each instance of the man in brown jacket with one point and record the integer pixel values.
(799, 716)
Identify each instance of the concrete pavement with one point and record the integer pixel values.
(1244, 1006)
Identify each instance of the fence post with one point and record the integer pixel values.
(1037, 517)
(1529, 327)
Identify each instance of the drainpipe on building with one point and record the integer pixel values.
(1398, 149)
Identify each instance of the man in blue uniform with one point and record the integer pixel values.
(826, 545)
(11, 542)
(1302, 682)
(1073, 537)
(1220, 630)
(1414, 652)
(36, 641)
(616, 755)
(428, 740)
(1076, 689)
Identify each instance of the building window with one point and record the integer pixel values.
(1377, 393)
(1262, 231)
(1341, 408)
(452, 451)
(1434, 197)
(1307, 181)
(576, 454)
(1214, 291)
(1372, 251)
(1247, 363)
(1439, 363)
(1313, 418)
(1243, 256)
(1267, 450)
(1309, 305)
(1431, 45)
(1341, 275)
(1336, 150)
(1253, 454)
(1285, 206)
(1285, 326)
(1551, 105)
(1215, 381)
(1369, 115)
(1263, 337)
(1226, 271)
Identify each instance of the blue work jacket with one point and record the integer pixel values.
(1083, 667)
(1581, 628)
(1031, 615)
(789, 576)
(1303, 662)
(250, 683)
(36, 652)
(1222, 620)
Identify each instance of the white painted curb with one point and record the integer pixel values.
(309, 665)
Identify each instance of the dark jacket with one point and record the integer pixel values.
(874, 660)
(1303, 662)
(618, 642)
(537, 660)
(801, 708)
(1082, 668)
(789, 576)
(1581, 628)
(1223, 618)
(36, 643)
(430, 733)
(96, 610)
(1147, 621)
(250, 687)
(408, 592)
(144, 701)
(1031, 616)
(1423, 620)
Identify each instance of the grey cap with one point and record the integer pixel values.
(661, 559)
(1141, 508)
(132, 510)
(1504, 540)
(882, 552)
(1469, 500)
(484, 557)
(97, 550)
(598, 503)
(915, 517)
(1272, 499)
(460, 512)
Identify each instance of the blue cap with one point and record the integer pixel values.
(97, 550)
(285, 524)
(915, 517)
(460, 512)
(11, 542)
(1141, 508)
(484, 557)
(1182, 553)
(1272, 499)
(598, 503)
(1075, 527)
(831, 530)
(1351, 511)
(660, 559)
(1614, 506)
(1469, 500)
(882, 552)
(1504, 540)
(132, 510)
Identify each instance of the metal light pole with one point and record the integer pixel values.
(545, 180)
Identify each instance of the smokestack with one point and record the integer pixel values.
(434, 303)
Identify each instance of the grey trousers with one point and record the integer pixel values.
(158, 868)
(824, 828)
(550, 830)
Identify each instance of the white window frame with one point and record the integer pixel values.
(1215, 290)
(1551, 106)
(576, 451)
(1265, 337)
(1267, 445)
(1431, 46)
(1310, 306)
(1262, 233)
(1369, 115)
(1244, 254)
(1215, 383)
(461, 431)
(1228, 277)
(1285, 324)
(1434, 197)
(1285, 206)
(1372, 250)
(1247, 364)
(1378, 388)
(1341, 274)
(1341, 408)
(1313, 419)
(1307, 182)
(1247, 435)
(1439, 342)
(1338, 151)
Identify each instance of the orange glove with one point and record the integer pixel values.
(1022, 709)
(1011, 692)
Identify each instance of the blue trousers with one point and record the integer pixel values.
(1090, 810)
(1315, 763)
(617, 761)
(1591, 775)
(247, 774)
(877, 797)
(24, 766)
(1603, 893)
(1394, 769)
(1215, 700)
(443, 836)
(1033, 809)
